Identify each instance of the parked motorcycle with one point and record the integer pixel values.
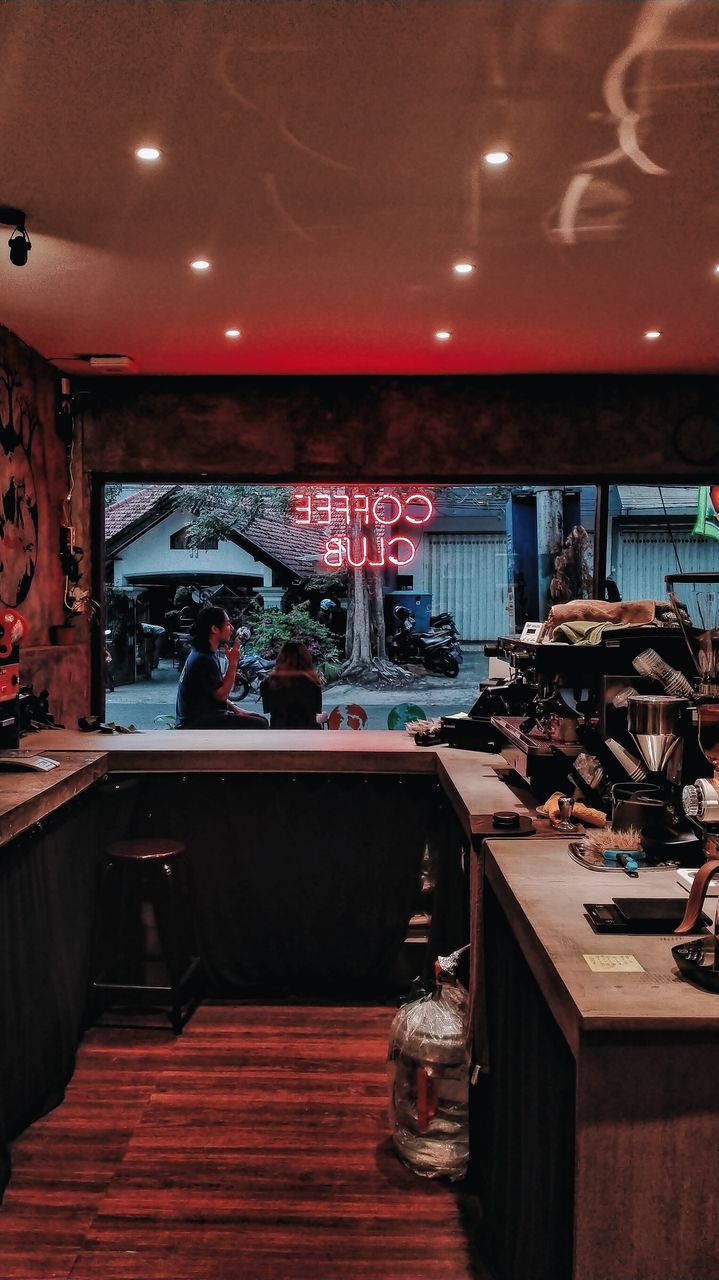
(438, 649)
(251, 671)
(445, 622)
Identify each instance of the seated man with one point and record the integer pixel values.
(204, 689)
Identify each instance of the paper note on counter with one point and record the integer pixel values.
(614, 964)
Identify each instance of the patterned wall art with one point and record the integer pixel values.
(18, 497)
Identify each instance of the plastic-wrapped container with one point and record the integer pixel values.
(429, 1079)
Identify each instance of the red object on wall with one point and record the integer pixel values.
(9, 681)
(13, 628)
(356, 717)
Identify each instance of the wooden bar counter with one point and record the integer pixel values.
(304, 851)
(596, 1123)
(327, 828)
(630, 1100)
(468, 778)
(26, 798)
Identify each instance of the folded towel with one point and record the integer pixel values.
(584, 633)
(624, 613)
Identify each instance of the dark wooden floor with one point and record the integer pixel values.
(252, 1147)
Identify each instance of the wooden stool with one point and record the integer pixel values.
(138, 871)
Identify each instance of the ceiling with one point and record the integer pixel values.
(327, 158)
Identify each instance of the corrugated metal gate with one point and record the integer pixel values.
(467, 574)
(645, 554)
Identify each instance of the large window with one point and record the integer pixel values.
(656, 530)
(491, 556)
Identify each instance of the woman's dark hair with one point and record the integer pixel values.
(294, 658)
(209, 617)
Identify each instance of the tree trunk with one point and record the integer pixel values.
(550, 536)
(365, 647)
(376, 604)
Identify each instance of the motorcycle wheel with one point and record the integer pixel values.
(241, 690)
(257, 684)
(451, 667)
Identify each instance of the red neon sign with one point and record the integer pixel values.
(380, 512)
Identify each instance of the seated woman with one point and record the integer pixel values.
(291, 693)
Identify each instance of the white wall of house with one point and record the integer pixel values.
(151, 554)
(644, 552)
(462, 563)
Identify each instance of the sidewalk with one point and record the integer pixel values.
(140, 704)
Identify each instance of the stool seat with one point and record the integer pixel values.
(144, 850)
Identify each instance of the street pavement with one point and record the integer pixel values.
(150, 704)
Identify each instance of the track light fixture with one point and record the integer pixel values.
(19, 241)
(20, 246)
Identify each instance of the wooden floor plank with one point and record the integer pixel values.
(253, 1147)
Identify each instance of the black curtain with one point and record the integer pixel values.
(47, 898)
(301, 884)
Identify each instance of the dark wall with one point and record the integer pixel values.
(33, 487)
(455, 428)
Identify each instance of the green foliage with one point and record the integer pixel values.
(219, 509)
(494, 493)
(331, 671)
(112, 493)
(118, 616)
(182, 597)
(330, 584)
(271, 628)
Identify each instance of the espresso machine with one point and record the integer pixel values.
(573, 704)
(619, 723)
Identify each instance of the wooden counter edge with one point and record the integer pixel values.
(562, 1006)
(54, 792)
(368, 751)
(576, 1026)
(277, 751)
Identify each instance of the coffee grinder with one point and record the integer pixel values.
(701, 806)
(663, 730)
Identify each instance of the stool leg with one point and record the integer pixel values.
(168, 904)
(105, 926)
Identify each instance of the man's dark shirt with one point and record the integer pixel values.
(200, 679)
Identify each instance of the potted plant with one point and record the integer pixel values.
(80, 608)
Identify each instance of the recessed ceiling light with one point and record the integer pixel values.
(233, 333)
(716, 269)
(200, 264)
(443, 335)
(463, 268)
(148, 153)
(497, 157)
(651, 334)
